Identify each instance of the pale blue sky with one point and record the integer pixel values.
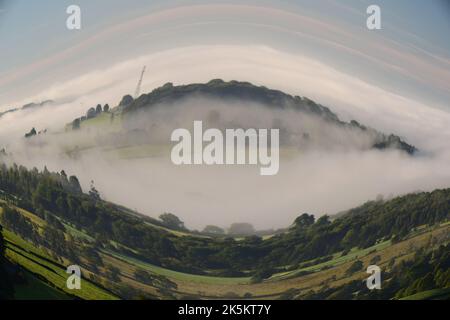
(396, 80)
(32, 31)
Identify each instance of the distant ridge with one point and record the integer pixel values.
(245, 91)
(28, 106)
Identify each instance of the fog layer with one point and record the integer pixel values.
(323, 168)
(334, 172)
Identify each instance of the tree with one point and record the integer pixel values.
(213, 230)
(375, 259)
(31, 133)
(92, 256)
(93, 192)
(355, 267)
(18, 223)
(98, 109)
(349, 238)
(126, 100)
(242, 228)
(143, 276)
(91, 113)
(172, 221)
(113, 273)
(304, 221)
(323, 220)
(75, 185)
(106, 108)
(76, 124)
(261, 274)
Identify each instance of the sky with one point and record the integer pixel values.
(409, 55)
(396, 80)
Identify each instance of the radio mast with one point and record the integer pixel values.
(138, 88)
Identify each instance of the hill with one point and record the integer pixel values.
(28, 106)
(133, 124)
(49, 223)
(246, 92)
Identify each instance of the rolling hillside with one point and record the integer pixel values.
(124, 256)
(131, 119)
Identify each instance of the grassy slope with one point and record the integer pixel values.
(40, 263)
(330, 272)
(435, 294)
(36, 289)
(176, 275)
(337, 260)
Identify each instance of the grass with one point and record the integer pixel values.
(34, 218)
(103, 120)
(41, 223)
(338, 259)
(35, 289)
(38, 262)
(76, 233)
(178, 233)
(330, 273)
(176, 275)
(435, 294)
(25, 245)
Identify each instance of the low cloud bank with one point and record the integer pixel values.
(319, 179)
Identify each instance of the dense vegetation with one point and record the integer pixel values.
(427, 271)
(51, 195)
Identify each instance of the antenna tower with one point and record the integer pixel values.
(138, 87)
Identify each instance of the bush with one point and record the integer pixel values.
(355, 267)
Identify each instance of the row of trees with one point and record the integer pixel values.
(91, 113)
(235, 229)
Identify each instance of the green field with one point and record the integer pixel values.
(38, 262)
(176, 275)
(104, 121)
